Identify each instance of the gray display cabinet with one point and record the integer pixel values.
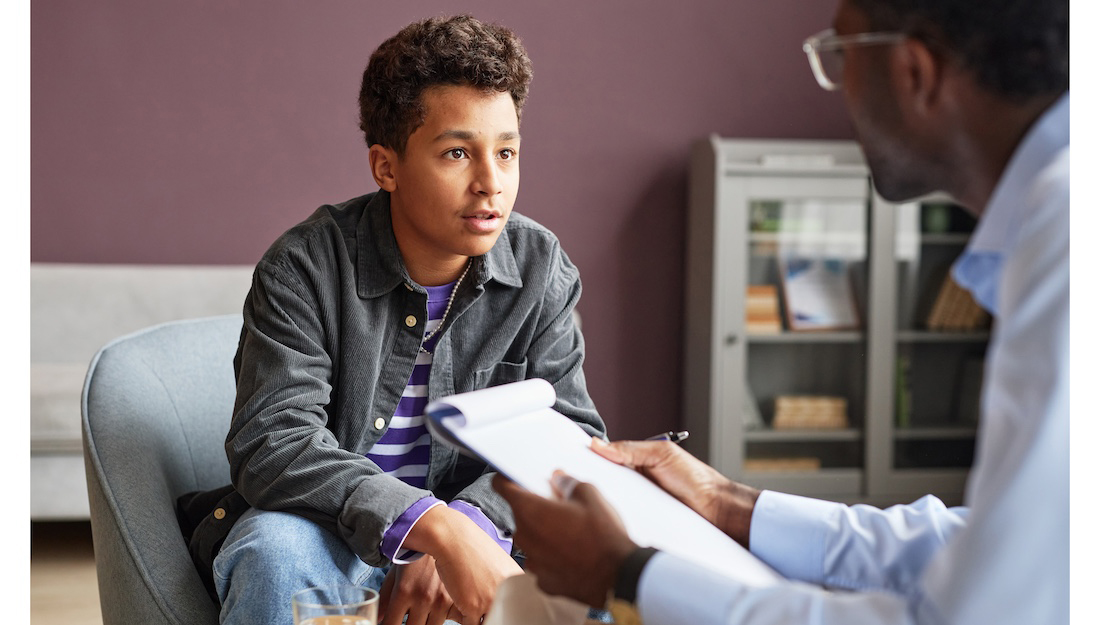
(860, 277)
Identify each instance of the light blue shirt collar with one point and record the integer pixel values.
(979, 267)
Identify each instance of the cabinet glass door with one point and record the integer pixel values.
(941, 339)
(804, 279)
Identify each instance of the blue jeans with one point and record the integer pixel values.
(269, 556)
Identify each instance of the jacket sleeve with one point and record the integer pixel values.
(281, 454)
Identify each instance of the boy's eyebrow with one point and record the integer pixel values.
(466, 135)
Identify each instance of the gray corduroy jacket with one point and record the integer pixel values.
(332, 326)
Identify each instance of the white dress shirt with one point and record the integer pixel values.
(1004, 557)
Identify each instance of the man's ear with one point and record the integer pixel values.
(918, 75)
(383, 166)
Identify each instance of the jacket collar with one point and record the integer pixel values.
(381, 268)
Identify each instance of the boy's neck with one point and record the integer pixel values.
(436, 273)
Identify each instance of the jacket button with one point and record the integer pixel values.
(379, 423)
(410, 321)
(219, 513)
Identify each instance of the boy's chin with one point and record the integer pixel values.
(481, 246)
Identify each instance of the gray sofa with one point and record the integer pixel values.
(75, 310)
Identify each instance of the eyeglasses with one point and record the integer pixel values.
(826, 52)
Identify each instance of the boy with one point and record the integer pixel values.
(369, 309)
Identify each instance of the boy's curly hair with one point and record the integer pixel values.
(459, 51)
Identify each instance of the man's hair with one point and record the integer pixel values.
(1016, 48)
(459, 51)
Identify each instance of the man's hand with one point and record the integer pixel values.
(575, 544)
(725, 503)
(457, 578)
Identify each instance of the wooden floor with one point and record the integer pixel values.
(63, 581)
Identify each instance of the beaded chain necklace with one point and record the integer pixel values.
(450, 301)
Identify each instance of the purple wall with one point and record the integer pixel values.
(197, 132)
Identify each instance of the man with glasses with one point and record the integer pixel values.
(966, 97)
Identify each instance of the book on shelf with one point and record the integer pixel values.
(810, 412)
(762, 310)
(800, 463)
(956, 310)
(818, 294)
(515, 429)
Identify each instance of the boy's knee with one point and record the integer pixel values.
(271, 540)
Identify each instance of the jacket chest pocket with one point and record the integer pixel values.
(500, 373)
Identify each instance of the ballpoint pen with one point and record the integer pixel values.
(674, 437)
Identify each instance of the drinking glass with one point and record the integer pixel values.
(335, 605)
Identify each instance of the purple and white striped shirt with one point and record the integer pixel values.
(405, 447)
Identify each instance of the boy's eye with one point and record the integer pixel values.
(507, 154)
(456, 154)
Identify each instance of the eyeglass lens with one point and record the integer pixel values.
(832, 64)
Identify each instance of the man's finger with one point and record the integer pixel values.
(608, 450)
(505, 486)
(640, 455)
(563, 484)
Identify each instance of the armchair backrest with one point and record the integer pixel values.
(155, 411)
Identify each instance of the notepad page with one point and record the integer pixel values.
(529, 448)
(497, 402)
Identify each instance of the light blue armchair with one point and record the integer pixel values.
(155, 408)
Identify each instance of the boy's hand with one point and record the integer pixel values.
(460, 578)
(414, 589)
(471, 567)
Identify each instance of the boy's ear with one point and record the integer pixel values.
(383, 162)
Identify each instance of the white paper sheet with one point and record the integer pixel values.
(529, 446)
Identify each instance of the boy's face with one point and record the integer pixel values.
(453, 189)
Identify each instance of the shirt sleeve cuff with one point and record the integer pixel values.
(788, 532)
(502, 538)
(395, 536)
(677, 592)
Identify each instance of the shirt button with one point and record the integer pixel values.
(410, 321)
(379, 423)
(219, 513)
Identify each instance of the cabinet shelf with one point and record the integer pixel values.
(949, 432)
(806, 337)
(946, 238)
(924, 336)
(827, 483)
(798, 436)
(806, 236)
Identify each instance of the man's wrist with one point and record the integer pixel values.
(630, 572)
(736, 505)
